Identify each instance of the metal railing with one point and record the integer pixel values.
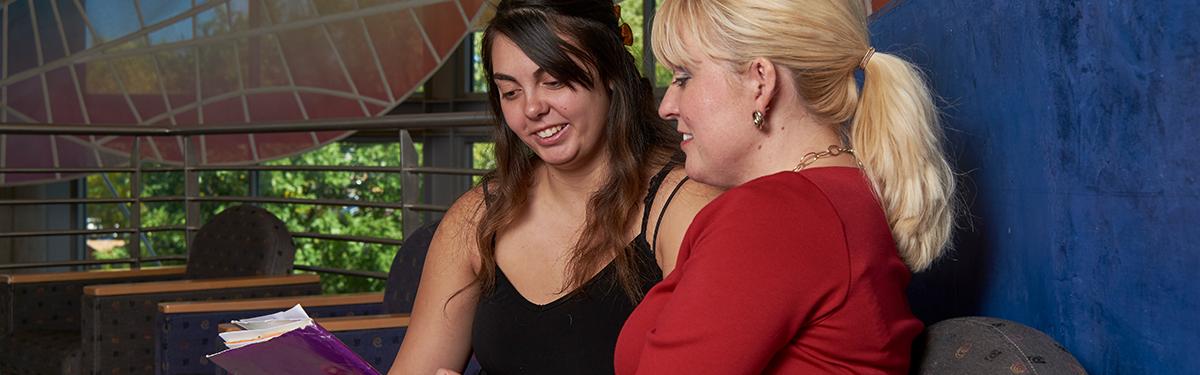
(409, 169)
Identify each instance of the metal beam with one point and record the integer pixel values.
(89, 262)
(411, 121)
(339, 271)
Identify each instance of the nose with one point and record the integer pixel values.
(535, 105)
(668, 109)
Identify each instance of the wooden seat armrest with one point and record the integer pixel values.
(347, 323)
(197, 284)
(279, 303)
(96, 275)
(354, 323)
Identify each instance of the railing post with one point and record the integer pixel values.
(135, 212)
(409, 183)
(253, 181)
(191, 190)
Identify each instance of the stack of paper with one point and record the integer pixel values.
(287, 342)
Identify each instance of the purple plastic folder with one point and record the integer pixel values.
(306, 350)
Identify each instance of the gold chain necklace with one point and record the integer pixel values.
(833, 150)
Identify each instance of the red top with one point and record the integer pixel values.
(792, 273)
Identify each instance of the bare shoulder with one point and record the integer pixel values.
(690, 196)
(666, 232)
(692, 190)
(466, 210)
(456, 233)
(439, 333)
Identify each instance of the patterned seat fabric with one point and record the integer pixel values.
(115, 334)
(984, 346)
(241, 241)
(119, 332)
(379, 346)
(399, 296)
(57, 352)
(184, 339)
(405, 274)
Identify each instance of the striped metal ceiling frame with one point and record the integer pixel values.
(426, 16)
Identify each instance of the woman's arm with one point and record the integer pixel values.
(677, 216)
(439, 335)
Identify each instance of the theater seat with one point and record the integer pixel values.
(985, 346)
(242, 252)
(370, 324)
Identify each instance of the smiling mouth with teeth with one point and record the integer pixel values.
(550, 132)
(688, 136)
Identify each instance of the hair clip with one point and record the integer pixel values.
(626, 31)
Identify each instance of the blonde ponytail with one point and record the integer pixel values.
(892, 124)
(897, 137)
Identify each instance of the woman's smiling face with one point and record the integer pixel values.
(713, 111)
(562, 123)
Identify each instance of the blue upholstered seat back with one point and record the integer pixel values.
(405, 273)
(241, 241)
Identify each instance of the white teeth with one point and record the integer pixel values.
(550, 132)
(687, 136)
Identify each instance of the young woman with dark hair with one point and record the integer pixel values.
(536, 269)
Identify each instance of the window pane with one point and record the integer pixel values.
(633, 13)
(478, 83)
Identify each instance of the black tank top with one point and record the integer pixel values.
(575, 334)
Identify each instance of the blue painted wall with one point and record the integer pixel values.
(1076, 125)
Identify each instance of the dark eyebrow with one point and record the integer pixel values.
(505, 77)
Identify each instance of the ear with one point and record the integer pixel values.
(763, 79)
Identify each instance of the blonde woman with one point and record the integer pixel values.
(836, 194)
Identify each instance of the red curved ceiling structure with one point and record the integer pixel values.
(196, 62)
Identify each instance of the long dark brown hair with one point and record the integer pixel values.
(636, 139)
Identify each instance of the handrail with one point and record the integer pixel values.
(403, 123)
(65, 232)
(269, 168)
(70, 170)
(299, 201)
(25, 202)
(343, 237)
(91, 262)
(390, 122)
(339, 271)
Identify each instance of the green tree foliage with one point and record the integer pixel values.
(631, 12)
(357, 221)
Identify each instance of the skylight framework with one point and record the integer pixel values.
(193, 63)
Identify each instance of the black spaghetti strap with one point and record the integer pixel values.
(654, 243)
(651, 191)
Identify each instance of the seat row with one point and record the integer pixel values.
(165, 320)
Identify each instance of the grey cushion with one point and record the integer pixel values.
(405, 274)
(982, 345)
(118, 331)
(40, 352)
(241, 241)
